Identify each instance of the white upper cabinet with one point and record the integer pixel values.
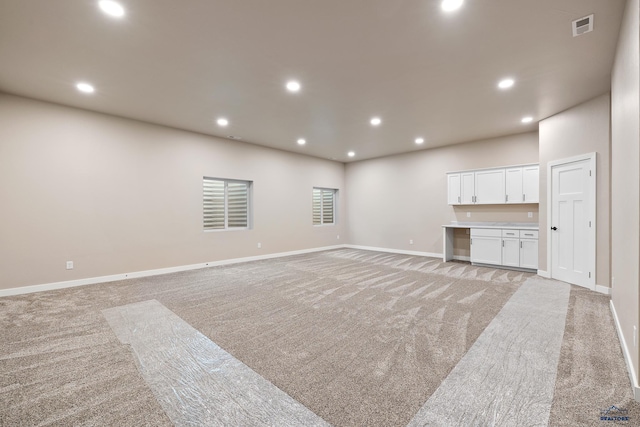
(518, 184)
(530, 184)
(468, 189)
(490, 187)
(453, 187)
(522, 184)
(513, 185)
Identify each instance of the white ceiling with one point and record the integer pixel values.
(424, 72)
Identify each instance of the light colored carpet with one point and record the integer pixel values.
(592, 375)
(507, 377)
(359, 337)
(197, 382)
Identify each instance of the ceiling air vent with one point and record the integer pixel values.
(582, 25)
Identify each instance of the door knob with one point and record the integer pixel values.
(554, 228)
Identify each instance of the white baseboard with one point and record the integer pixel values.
(603, 289)
(627, 356)
(146, 273)
(544, 274)
(394, 251)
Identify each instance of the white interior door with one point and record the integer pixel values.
(570, 224)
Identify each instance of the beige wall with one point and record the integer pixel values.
(400, 198)
(625, 178)
(582, 129)
(117, 196)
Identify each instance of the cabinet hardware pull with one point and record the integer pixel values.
(520, 245)
(503, 243)
(506, 198)
(458, 199)
(524, 197)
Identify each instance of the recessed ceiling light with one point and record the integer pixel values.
(451, 5)
(235, 137)
(419, 141)
(301, 141)
(293, 86)
(527, 119)
(376, 121)
(506, 83)
(111, 8)
(351, 153)
(85, 87)
(222, 122)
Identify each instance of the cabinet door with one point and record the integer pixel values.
(511, 252)
(490, 187)
(486, 250)
(529, 253)
(513, 185)
(531, 184)
(453, 189)
(467, 188)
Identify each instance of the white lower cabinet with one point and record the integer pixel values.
(502, 247)
(510, 252)
(529, 253)
(486, 246)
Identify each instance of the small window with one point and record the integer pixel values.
(226, 204)
(324, 206)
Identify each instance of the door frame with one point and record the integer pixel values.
(591, 236)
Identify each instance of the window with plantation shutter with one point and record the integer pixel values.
(324, 203)
(226, 204)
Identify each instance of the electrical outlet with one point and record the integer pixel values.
(338, 237)
(468, 214)
(69, 265)
(259, 245)
(530, 214)
(411, 241)
(613, 281)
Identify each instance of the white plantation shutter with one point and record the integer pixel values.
(317, 206)
(225, 204)
(213, 203)
(327, 206)
(237, 193)
(323, 206)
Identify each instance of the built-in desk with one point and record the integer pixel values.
(520, 230)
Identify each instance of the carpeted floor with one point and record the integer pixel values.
(360, 338)
(592, 375)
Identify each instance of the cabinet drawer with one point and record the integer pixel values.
(511, 233)
(486, 232)
(528, 234)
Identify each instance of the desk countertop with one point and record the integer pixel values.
(514, 225)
